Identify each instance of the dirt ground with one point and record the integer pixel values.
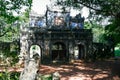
(79, 70)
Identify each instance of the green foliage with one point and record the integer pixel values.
(87, 25)
(9, 52)
(100, 9)
(46, 77)
(9, 75)
(117, 53)
(8, 9)
(113, 31)
(9, 33)
(24, 16)
(98, 31)
(117, 50)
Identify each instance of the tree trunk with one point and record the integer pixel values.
(31, 65)
(31, 68)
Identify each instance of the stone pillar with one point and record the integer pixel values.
(71, 52)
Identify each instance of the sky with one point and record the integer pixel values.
(39, 6)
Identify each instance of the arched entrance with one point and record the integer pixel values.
(79, 51)
(35, 49)
(59, 51)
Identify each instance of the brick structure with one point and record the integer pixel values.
(63, 39)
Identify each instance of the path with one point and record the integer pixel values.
(100, 70)
(79, 70)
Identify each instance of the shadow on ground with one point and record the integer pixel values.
(79, 70)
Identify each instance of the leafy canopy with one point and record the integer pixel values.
(8, 9)
(103, 9)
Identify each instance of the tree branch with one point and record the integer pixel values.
(82, 3)
(3, 33)
(110, 13)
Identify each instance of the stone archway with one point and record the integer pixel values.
(59, 51)
(79, 51)
(35, 49)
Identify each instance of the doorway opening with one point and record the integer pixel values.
(59, 51)
(79, 51)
